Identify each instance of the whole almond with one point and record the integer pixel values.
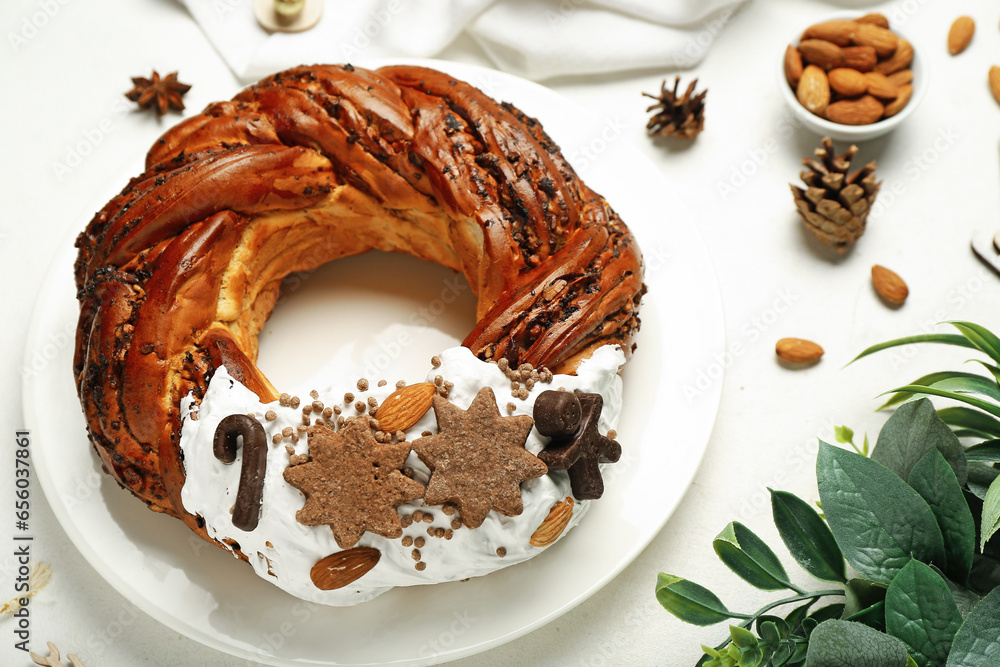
(861, 58)
(798, 351)
(889, 285)
(793, 66)
(902, 77)
(404, 407)
(838, 32)
(882, 40)
(874, 18)
(880, 86)
(995, 82)
(961, 34)
(901, 59)
(813, 91)
(821, 53)
(344, 567)
(848, 82)
(894, 107)
(862, 111)
(554, 524)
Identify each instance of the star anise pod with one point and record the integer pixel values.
(682, 117)
(161, 94)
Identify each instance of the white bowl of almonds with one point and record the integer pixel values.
(852, 76)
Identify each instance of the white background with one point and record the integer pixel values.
(62, 89)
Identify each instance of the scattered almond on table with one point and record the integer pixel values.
(851, 72)
(889, 285)
(798, 351)
(995, 82)
(960, 34)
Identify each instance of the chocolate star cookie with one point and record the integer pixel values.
(353, 483)
(477, 459)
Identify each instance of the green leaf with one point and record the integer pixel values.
(879, 522)
(936, 483)
(980, 478)
(947, 339)
(751, 658)
(709, 660)
(965, 599)
(992, 368)
(968, 433)
(985, 452)
(912, 431)
(991, 514)
(769, 632)
(861, 594)
(776, 623)
(920, 611)
(873, 616)
(710, 652)
(981, 337)
(742, 637)
(970, 384)
(795, 617)
(977, 643)
(847, 644)
(843, 434)
(807, 537)
(750, 558)
(924, 381)
(690, 602)
(989, 407)
(830, 611)
(781, 655)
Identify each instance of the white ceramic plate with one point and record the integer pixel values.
(202, 592)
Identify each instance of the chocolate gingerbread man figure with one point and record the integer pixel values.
(571, 419)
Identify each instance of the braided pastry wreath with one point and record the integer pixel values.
(178, 273)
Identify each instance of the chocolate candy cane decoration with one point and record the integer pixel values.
(246, 512)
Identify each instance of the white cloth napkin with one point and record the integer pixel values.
(536, 39)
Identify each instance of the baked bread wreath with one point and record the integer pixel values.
(178, 273)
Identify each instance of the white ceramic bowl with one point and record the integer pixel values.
(853, 133)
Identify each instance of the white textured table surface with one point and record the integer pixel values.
(62, 97)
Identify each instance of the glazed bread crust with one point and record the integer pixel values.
(178, 273)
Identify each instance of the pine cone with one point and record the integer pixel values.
(682, 117)
(835, 205)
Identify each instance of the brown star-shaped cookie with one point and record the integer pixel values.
(477, 458)
(353, 483)
(570, 419)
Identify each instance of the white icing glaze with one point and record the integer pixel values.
(210, 486)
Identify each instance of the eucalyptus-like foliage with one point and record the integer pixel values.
(914, 517)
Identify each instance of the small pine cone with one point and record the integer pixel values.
(835, 204)
(682, 117)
